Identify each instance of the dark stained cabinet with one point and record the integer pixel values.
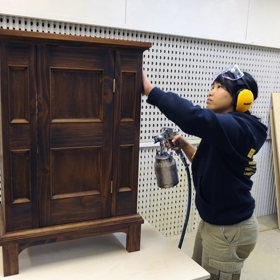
(70, 116)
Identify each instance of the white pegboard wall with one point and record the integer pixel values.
(164, 208)
(264, 189)
(186, 66)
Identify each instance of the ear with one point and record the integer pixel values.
(244, 100)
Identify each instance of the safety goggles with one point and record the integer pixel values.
(232, 73)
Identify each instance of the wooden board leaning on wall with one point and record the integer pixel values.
(275, 136)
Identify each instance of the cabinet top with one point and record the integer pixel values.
(39, 36)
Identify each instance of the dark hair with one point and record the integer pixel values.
(234, 86)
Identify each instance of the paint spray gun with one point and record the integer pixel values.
(165, 164)
(166, 169)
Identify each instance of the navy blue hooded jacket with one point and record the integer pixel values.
(223, 164)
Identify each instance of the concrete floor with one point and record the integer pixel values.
(264, 262)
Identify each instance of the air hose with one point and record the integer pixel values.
(166, 170)
(189, 201)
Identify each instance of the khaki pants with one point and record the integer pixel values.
(221, 250)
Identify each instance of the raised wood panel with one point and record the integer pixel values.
(128, 89)
(19, 197)
(76, 172)
(126, 203)
(20, 80)
(125, 129)
(76, 184)
(20, 176)
(75, 94)
(126, 188)
(126, 157)
(22, 217)
(19, 90)
(18, 85)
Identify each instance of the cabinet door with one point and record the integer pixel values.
(75, 113)
(19, 136)
(126, 131)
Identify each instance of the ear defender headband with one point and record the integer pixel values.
(233, 79)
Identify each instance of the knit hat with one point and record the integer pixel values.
(235, 83)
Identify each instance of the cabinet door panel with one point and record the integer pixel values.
(18, 101)
(72, 97)
(127, 126)
(75, 116)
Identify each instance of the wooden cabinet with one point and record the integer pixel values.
(70, 116)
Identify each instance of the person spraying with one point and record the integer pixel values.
(222, 166)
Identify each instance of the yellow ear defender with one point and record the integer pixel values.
(244, 100)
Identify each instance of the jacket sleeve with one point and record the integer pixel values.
(220, 129)
(190, 118)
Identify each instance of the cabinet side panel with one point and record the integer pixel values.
(127, 126)
(1, 134)
(19, 134)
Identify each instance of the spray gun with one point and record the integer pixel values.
(165, 165)
(166, 169)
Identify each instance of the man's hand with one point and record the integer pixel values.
(147, 86)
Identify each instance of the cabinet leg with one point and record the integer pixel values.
(10, 258)
(133, 238)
